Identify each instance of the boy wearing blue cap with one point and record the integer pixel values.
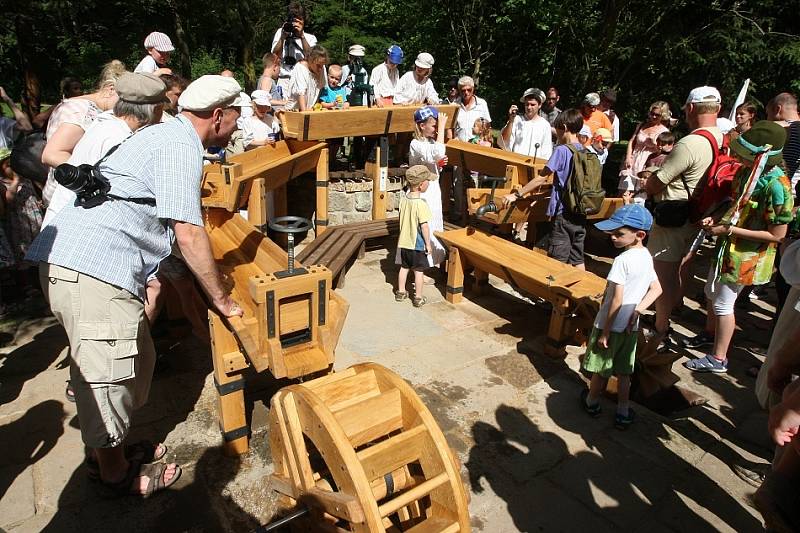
(632, 287)
(385, 76)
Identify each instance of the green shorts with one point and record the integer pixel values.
(617, 359)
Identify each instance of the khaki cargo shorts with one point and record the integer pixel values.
(112, 353)
(671, 244)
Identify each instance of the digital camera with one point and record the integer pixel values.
(85, 181)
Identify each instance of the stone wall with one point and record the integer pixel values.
(350, 196)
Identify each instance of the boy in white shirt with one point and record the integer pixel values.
(159, 47)
(263, 126)
(632, 287)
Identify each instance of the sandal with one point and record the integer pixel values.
(141, 452)
(69, 392)
(153, 471)
(709, 363)
(419, 302)
(400, 296)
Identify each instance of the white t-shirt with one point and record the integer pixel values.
(633, 269)
(526, 134)
(410, 91)
(292, 48)
(302, 81)
(426, 152)
(465, 119)
(614, 124)
(147, 65)
(256, 129)
(105, 132)
(384, 81)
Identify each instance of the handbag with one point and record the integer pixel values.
(672, 213)
(26, 157)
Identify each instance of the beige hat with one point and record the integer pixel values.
(141, 88)
(159, 41)
(418, 174)
(210, 92)
(604, 134)
(424, 60)
(356, 50)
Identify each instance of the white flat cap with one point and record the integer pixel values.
(159, 41)
(210, 92)
(424, 60)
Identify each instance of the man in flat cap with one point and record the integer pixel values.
(95, 262)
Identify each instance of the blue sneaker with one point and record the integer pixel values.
(709, 363)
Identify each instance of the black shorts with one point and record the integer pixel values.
(416, 260)
(563, 239)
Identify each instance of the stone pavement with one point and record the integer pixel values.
(531, 458)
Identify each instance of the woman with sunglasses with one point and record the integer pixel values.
(640, 147)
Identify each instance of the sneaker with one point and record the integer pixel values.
(698, 341)
(666, 344)
(623, 422)
(593, 410)
(709, 363)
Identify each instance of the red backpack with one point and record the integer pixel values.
(713, 191)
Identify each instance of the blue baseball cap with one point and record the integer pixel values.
(424, 113)
(395, 54)
(631, 215)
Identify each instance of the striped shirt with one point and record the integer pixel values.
(122, 242)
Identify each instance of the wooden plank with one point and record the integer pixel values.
(230, 406)
(436, 525)
(337, 394)
(393, 453)
(413, 494)
(322, 182)
(372, 418)
(493, 161)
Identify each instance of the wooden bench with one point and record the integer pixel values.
(574, 294)
(339, 246)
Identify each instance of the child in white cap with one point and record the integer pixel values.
(159, 47)
(415, 86)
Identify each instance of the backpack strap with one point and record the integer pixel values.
(716, 151)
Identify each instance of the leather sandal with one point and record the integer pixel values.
(153, 471)
(143, 451)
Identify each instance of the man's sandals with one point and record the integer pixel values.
(141, 452)
(153, 471)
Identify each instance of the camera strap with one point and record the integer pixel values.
(103, 197)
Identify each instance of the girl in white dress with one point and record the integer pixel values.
(428, 149)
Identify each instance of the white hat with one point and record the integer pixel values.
(243, 100)
(159, 41)
(704, 94)
(533, 92)
(586, 131)
(592, 99)
(356, 50)
(261, 97)
(725, 125)
(424, 60)
(210, 92)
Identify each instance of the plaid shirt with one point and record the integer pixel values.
(122, 242)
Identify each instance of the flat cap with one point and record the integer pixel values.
(159, 41)
(419, 173)
(210, 92)
(141, 88)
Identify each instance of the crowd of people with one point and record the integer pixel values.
(147, 133)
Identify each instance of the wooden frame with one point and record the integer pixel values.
(493, 162)
(366, 432)
(355, 121)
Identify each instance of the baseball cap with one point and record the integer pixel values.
(586, 131)
(395, 54)
(604, 134)
(424, 60)
(210, 92)
(159, 41)
(631, 215)
(592, 99)
(356, 50)
(538, 94)
(419, 173)
(261, 97)
(704, 94)
(141, 88)
(424, 113)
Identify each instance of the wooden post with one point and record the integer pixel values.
(257, 214)
(230, 387)
(379, 171)
(481, 281)
(455, 277)
(321, 221)
(556, 330)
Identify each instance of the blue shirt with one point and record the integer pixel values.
(561, 165)
(121, 242)
(329, 94)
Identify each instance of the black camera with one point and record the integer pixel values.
(288, 26)
(85, 181)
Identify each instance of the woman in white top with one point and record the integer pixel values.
(308, 77)
(415, 86)
(427, 148)
(529, 134)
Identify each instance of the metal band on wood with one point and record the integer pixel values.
(229, 388)
(270, 314)
(321, 221)
(321, 183)
(322, 300)
(388, 122)
(454, 290)
(306, 120)
(237, 433)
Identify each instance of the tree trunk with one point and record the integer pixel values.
(31, 91)
(184, 58)
(248, 61)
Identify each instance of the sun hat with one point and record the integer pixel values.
(159, 41)
(395, 54)
(538, 94)
(419, 173)
(141, 88)
(753, 142)
(210, 92)
(631, 215)
(424, 113)
(356, 50)
(424, 60)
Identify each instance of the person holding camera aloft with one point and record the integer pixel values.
(528, 134)
(291, 43)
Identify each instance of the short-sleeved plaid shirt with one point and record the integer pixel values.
(122, 242)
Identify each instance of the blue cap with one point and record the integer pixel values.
(395, 54)
(631, 215)
(424, 113)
